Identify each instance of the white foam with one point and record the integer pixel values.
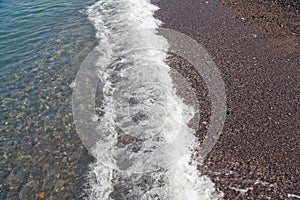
(144, 151)
(293, 196)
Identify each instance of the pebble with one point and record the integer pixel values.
(59, 185)
(41, 195)
(26, 190)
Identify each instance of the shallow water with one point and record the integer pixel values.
(42, 47)
(42, 44)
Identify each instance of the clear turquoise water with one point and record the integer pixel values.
(42, 44)
(33, 33)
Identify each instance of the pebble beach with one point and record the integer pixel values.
(255, 45)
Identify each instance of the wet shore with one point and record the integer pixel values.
(257, 155)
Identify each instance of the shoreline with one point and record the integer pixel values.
(257, 154)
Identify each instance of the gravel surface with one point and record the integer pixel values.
(257, 155)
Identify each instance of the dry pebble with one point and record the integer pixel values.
(257, 155)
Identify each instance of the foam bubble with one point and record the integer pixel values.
(144, 148)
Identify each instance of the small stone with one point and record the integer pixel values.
(73, 84)
(42, 195)
(26, 190)
(126, 139)
(296, 29)
(59, 185)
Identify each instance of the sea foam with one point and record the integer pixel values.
(144, 151)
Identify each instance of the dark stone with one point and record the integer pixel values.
(26, 191)
(140, 116)
(296, 29)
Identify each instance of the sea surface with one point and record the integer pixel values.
(42, 44)
(144, 148)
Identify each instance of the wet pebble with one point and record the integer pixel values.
(26, 190)
(59, 185)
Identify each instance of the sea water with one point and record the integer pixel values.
(42, 45)
(146, 147)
